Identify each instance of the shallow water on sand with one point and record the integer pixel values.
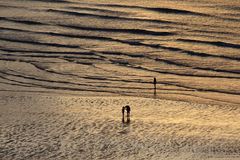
(117, 47)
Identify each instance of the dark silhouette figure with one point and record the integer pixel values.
(128, 120)
(128, 109)
(155, 85)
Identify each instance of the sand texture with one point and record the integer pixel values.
(67, 67)
(116, 47)
(71, 127)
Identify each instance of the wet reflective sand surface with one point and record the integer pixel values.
(116, 48)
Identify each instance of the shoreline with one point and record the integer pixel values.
(192, 99)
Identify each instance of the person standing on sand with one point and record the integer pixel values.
(128, 113)
(128, 110)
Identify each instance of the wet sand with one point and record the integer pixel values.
(40, 126)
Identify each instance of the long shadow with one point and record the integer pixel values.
(117, 18)
(167, 11)
(200, 68)
(214, 43)
(156, 9)
(107, 11)
(53, 1)
(118, 30)
(39, 43)
(47, 52)
(28, 22)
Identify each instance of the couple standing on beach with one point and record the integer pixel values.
(127, 107)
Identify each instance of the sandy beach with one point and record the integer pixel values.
(67, 67)
(40, 126)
